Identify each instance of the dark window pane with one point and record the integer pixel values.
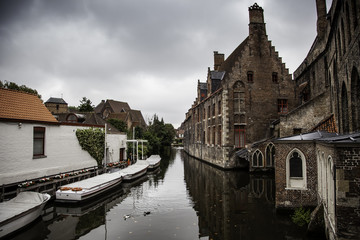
(295, 165)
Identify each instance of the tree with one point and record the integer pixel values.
(86, 105)
(22, 88)
(119, 124)
(159, 135)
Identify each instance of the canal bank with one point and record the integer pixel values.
(186, 199)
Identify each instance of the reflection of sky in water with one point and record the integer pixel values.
(171, 213)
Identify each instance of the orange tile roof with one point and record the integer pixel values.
(15, 105)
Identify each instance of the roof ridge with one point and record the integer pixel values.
(18, 91)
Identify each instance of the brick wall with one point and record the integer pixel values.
(290, 198)
(348, 192)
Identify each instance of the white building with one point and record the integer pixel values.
(34, 144)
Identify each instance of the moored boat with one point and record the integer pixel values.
(134, 171)
(20, 211)
(88, 188)
(154, 161)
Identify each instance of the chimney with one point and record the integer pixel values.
(256, 14)
(218, 60)
(321, 17)
(256, 20)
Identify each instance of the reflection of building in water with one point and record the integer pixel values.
(233, 204)
(262, 187)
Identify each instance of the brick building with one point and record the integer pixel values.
(324, 170)
(57, 105)
(240, 99)
(327, 81)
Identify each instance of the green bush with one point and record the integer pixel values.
(301, 216)
(93, 141)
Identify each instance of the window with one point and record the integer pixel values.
(208, 111)
(214, 135)
(213, 110)
(239, 97)
(39, 141)
(297, 131)
(239, 136)
(208, 135)
(296, 165)
(275, 77)
(270, 155)
(296, 170)
(219, 108)
(219, 135)
(250, 76)
(257, 159)
(282, 106)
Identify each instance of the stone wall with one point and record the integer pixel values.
(305, 117)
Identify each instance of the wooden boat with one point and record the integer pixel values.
(154, 161)
(134, 171)
(21, 211)
(88, 188)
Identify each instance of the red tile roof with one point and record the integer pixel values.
(15, 105)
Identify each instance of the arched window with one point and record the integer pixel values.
(354, 14)
(257, 159)
(355, 99)
(344, 109)
(296, 170)
(270, 155)
(295, 166)
(330, 187)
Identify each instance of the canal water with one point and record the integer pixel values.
(185, 199)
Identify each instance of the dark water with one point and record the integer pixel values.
(186, 199)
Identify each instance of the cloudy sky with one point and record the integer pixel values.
(149, 53)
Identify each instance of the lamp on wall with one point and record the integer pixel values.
(19, 124)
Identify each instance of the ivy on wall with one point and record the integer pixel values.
(93, 141)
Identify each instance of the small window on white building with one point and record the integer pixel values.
(296, 170)
(39, 142)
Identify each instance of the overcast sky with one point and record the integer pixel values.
(149, 53)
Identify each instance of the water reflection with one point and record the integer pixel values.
(185, 199)
(235, 205)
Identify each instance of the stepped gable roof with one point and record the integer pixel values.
(21, 106)
(227, 65)
(117, 106)
(203, 85)
(56, 100)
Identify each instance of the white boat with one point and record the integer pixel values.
(154, 161)
(21, 211)
(134, 171)
(88, 188)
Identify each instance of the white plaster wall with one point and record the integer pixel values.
(62, 150)
(114, 142)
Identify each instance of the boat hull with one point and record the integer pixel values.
(85, 194)
(134, 176)
(20, 221)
